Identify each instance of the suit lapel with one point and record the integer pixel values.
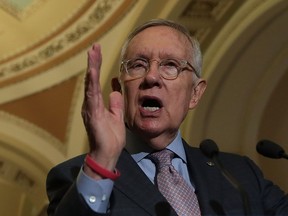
(204, 175)
(137, 187)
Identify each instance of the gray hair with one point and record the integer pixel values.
(196, 51)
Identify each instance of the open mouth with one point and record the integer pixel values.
(151, 104)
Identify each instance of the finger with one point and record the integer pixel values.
(92, 83)
(116, 105)
(95, 60)
(93, 69)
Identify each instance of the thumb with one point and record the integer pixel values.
(116, 104)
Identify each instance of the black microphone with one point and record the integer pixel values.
(210, 149)
(270, 149)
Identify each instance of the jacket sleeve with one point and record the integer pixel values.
(64, 198)
(275, 201)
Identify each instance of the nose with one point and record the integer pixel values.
(153, 76)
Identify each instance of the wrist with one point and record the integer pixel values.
(99, 170)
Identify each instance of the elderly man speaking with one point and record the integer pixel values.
(138, 164)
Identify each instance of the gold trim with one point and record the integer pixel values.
(47, 55)
(33, 129)
(18, 13)
(63, 27)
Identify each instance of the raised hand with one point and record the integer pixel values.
(105, 126)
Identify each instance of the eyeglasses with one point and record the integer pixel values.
(168, 68)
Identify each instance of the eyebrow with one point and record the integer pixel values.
(162, 55)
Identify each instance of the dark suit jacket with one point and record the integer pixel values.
(134, 195)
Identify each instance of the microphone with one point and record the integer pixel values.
(210, 149)
(270, 149)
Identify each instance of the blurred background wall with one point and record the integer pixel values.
(43, 46)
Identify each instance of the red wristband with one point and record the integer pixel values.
(100, 170)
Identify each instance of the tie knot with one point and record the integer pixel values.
(162, 158)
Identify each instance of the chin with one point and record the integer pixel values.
(149, 130)
(149, 127)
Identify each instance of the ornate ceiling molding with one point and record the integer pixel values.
(13, 123)
(20, 9)
(101, 16)
(13, 174)
(204, 18)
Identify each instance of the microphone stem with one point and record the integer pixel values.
(235, 184)
(285, 156)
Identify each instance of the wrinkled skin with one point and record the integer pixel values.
(156, 125)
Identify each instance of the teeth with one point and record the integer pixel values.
(151, 108)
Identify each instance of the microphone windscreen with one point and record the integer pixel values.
(269, 149)
(209, 148)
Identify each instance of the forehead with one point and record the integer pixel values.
(159, 41)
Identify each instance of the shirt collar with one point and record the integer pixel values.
(177, 147)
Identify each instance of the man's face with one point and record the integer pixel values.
(155, 106)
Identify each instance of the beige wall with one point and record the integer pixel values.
(43, 60)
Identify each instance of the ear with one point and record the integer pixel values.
(116, 86)
(197, 92)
